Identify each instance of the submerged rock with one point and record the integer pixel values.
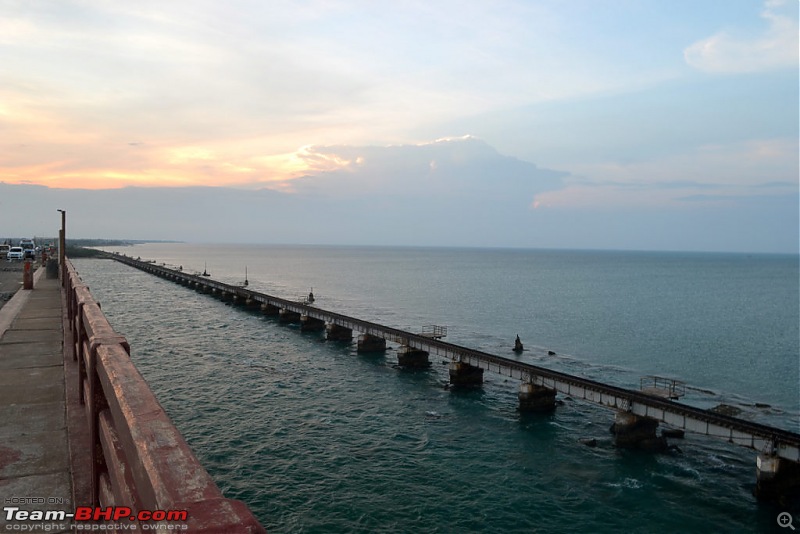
(726, 409)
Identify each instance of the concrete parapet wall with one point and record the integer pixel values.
(139, 459)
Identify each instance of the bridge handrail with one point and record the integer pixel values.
(139, 459)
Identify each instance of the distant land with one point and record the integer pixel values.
(83, 248)
(89, 242)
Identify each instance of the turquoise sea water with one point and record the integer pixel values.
(318, 439)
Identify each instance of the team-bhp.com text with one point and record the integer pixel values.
(86, 518)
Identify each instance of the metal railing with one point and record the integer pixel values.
(434, 331)
(139, 460)
(662, 387)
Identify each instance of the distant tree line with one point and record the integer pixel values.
(80, 248)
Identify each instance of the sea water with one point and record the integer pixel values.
(315, 438)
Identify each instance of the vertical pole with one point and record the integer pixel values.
(62, 244)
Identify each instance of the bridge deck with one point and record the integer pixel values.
(34, 456)
(760, 437)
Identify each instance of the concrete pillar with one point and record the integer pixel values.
(370, 343)
(269, 309)
(637, 432)
(465, 375)
(62, 238)
(411, 357)
(311, 324)
(288, 316)
(335, 332)
(535, 398)
(777, 479)
(27, 275)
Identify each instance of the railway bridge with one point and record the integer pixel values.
(637, 412)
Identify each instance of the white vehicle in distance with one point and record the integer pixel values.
(28, 247)
(16, 253)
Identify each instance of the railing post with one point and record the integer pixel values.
(97, 404)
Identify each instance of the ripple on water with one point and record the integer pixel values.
(317, 439)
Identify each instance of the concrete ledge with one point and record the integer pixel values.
(12, 308)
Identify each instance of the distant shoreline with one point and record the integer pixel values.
(129, 242)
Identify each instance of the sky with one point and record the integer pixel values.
(624, 124)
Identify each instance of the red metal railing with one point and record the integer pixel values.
(138, 458)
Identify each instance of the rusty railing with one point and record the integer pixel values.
(139, 460)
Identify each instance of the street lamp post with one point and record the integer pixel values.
(62, 244)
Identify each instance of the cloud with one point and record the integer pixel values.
(223, 215)
(464, 167)
(733, 52)
(456, 191)
(732, 171)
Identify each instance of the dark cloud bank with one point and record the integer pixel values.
(450, 193)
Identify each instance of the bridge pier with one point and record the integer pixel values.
(335, 332)
(287, 316)
(370, 343)
(465, 375)
(535, 398)
(777, 479)
(410, 357)
(269, 309)
(311, 324)
(637, 432)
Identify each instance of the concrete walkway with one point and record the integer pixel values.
(34, 453)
